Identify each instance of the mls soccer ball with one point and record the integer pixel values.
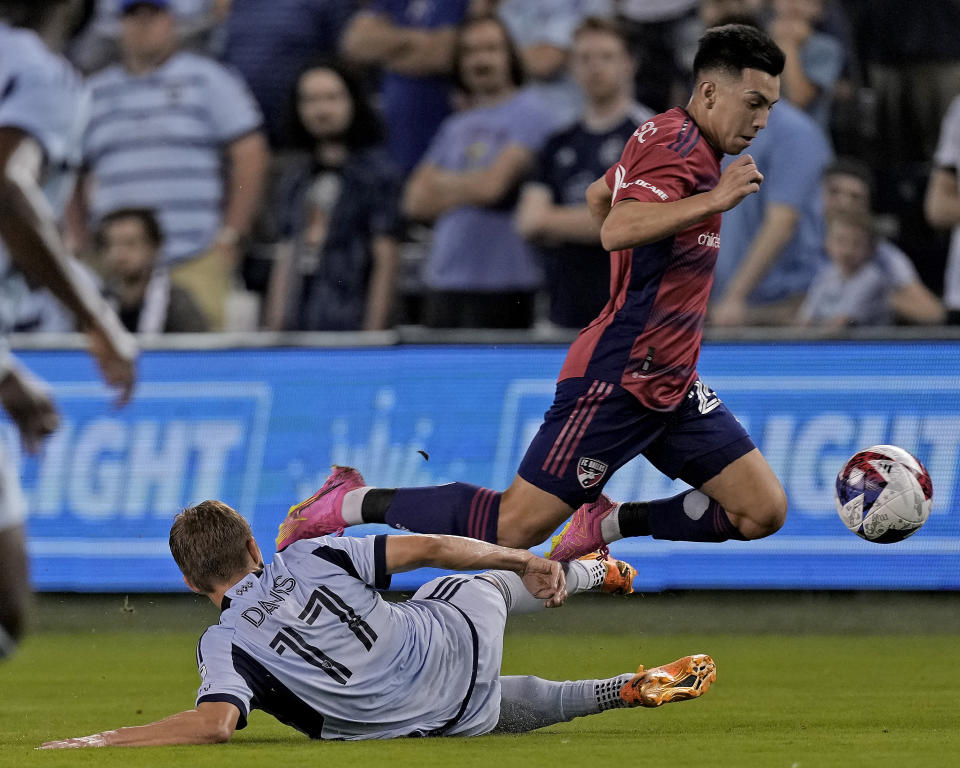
(883, 494)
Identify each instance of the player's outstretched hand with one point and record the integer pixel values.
(29, 406)
(739, 179)
(116, 353)
(544, 579)
(96, 740)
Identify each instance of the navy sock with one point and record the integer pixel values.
(459, 509)
(690, 516)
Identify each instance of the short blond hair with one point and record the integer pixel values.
(208, 541)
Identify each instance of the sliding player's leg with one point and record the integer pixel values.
(529, 702)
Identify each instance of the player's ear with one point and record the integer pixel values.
(253, 549)
(707, 90)
(190, 586)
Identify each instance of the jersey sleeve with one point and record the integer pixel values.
(362, 558)
(219, 680)
(947, 155)
(232, 106)
(653, 174)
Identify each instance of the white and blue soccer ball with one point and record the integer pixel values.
(883, 494)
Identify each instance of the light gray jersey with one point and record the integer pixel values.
(311, 642)
(41, 95)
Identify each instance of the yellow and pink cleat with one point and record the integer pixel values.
(320, 515)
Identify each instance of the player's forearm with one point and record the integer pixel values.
(190, 727)
(778, 227)
(249, 159)
(571, 224)
(423, 52)
(36, 249)
(942, 203)
(386, 261)
(371, 39)
(798, 87)
(454, 553)
(631, 223)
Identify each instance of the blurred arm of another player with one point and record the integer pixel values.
(631, 223)
(28, 230)
(543, 579)
(27, 402)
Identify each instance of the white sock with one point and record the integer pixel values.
(353, 504)
(610, 526)
(582, 575)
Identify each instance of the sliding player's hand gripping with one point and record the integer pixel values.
(544, 579)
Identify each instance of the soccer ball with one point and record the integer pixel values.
(883, 494)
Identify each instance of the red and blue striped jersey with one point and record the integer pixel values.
(647, 338)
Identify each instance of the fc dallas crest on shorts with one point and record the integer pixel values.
(590, 471)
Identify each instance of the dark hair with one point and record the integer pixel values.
(146, 216)
(600, 24)
(517, 75)
(736, 47)
(365, 128)
(209, 544)
(850, 166)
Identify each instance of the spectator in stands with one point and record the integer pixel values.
(412, 40)
(198, 26)
(770, 243)
(659, 31)
(480, 272)
(848, 186)
(336, 267)
(180, 134)
(814, 59)
(270, 42)
(543, 32)
(553, 210)
(856, 287)
(129, 242)
(942, 203)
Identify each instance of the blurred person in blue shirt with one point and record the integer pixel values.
(770, 243)
(480, 272)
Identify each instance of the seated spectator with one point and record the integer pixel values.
(336, 267)
(543, 33)
(553, 211)
(942, 203)
(814, 59)
(129, 243)
(269, 42)
(480, 272)
(180, 134)
(770, 242)
(412, 41)
(848, 186)
(857, 287)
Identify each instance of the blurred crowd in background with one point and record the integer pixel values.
(348, 165)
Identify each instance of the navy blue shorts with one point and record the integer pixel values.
(595, 427)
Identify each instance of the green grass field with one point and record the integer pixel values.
(804, 681)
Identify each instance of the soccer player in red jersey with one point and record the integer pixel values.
(629, 385)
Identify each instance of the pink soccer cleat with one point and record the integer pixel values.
(581, 535)
(320, 514)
